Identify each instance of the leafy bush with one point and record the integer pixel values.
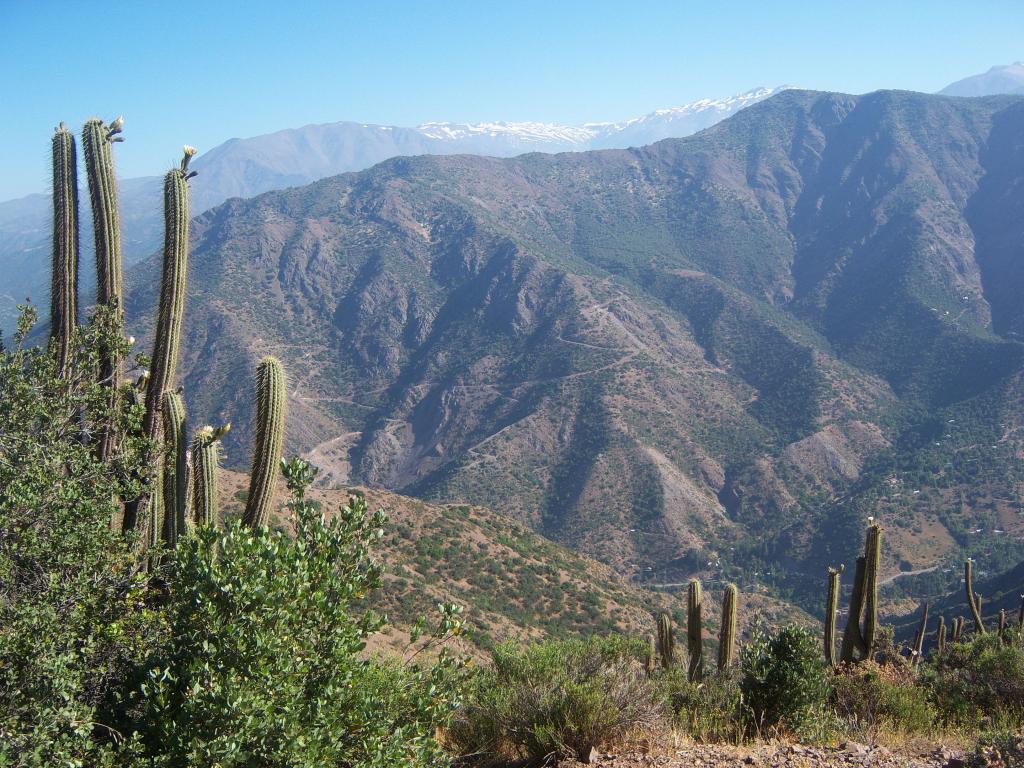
(75, 619)
(785, 683)
(264, 666)
(708, 711)
(981, 677)
(556, 698)
(873, 696)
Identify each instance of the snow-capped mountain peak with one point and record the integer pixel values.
(660, 124)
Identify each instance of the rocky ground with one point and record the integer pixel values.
(851, 754)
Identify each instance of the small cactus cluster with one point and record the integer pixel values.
(664, 645)
(182, 479)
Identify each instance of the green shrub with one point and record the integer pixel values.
(265, 665)
(785, 683)
(75, 622)
(872, 696)
(978, 678)
(556, 698)
(709, 711)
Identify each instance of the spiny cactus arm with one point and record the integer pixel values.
(270, 416)
(171, 311)
(97, 138)
(922, 628)
(205, 459)
(649, 657)
(831, 608)
(694, 631)
(64, 274)
(958, 628)
(852, 640)
(666, 641)
(872, 554)
(1020, 615)
(727, 631)
(940, 636)
(1004, 635)
(973, 598)
(175, 470)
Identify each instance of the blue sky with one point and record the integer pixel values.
(203, 72)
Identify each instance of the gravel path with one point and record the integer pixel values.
(846, 755)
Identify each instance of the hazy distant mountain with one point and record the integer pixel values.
(297, 156)
(1008, 78)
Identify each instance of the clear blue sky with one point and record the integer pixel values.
(203, 72)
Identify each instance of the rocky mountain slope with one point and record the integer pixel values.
(511, 582)
(711, 355)
(297, 156)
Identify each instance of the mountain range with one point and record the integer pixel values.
(717, 354)
(297, 156)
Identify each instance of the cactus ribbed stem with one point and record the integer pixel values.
(831, 608)
(727, 632)
(973, 598)
(872, 554)
(270, 414)
(940, 636)
(171, 310)
(175, 471)
(1020, 615)
(958, 628)
(852, 640)
(97, 138)
(205, 455)
(666, 641)
(64, 276)
(1003, 626)
(694, 632)
(649, 657)
(922, 628)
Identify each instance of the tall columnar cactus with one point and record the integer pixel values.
(727, 631)
(666, 641)
(694, 631)
(205, 455)
(64, 275)
(1020, 615)
(922, 628)
(175, 472)
(852, 640)
(858, 641)
(973, 598)
(831, 608)
(97, 138)
(940, 636)
(958, 628)
(872, 554)
(1004, 627)
(270, 407)
(171, 311)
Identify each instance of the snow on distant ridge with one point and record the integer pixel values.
(662, 123)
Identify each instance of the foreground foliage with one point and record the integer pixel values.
(244, 648)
